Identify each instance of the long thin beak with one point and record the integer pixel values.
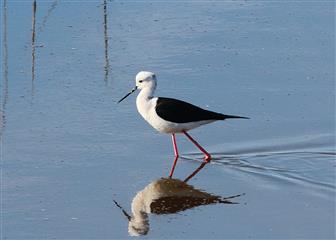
(123, 211)
(132, 91)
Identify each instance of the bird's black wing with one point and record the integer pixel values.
(178, 111)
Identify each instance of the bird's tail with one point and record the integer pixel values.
(223, 117)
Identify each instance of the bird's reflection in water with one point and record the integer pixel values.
(167, 196)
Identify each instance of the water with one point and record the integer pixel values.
(69, 150)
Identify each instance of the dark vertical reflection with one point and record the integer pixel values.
(4, 97)
(46, 17)
(106, 43)
(33, 46)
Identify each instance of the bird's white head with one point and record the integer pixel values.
(145, 79)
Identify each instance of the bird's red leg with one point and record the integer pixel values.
(176, 155)
(207, 156)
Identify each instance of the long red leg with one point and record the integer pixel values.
(176, 155)
(207, 156)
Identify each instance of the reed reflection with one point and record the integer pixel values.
(46, 17)
(4, 83)
(33, 46)
(167, 196)
(106, 44)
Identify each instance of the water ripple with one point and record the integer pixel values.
(293, 163)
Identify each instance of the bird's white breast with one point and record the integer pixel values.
(146, 107)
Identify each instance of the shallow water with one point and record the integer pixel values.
(69, 150)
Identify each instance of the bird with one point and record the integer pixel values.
(171, 116)
(167, 196)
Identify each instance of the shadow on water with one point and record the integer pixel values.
(33, 47)
(106, 44)
(4, 97)
(168, 196)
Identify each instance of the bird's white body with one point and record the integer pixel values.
(146, 104)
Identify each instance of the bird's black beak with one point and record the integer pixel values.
(132, 91)
(123, 210)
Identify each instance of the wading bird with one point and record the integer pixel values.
(168, 115)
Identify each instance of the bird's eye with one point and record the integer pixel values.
(140, 81)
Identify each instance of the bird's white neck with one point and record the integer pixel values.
(145, 102)
(146, 93)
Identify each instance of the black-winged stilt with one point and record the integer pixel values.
(168, 115)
